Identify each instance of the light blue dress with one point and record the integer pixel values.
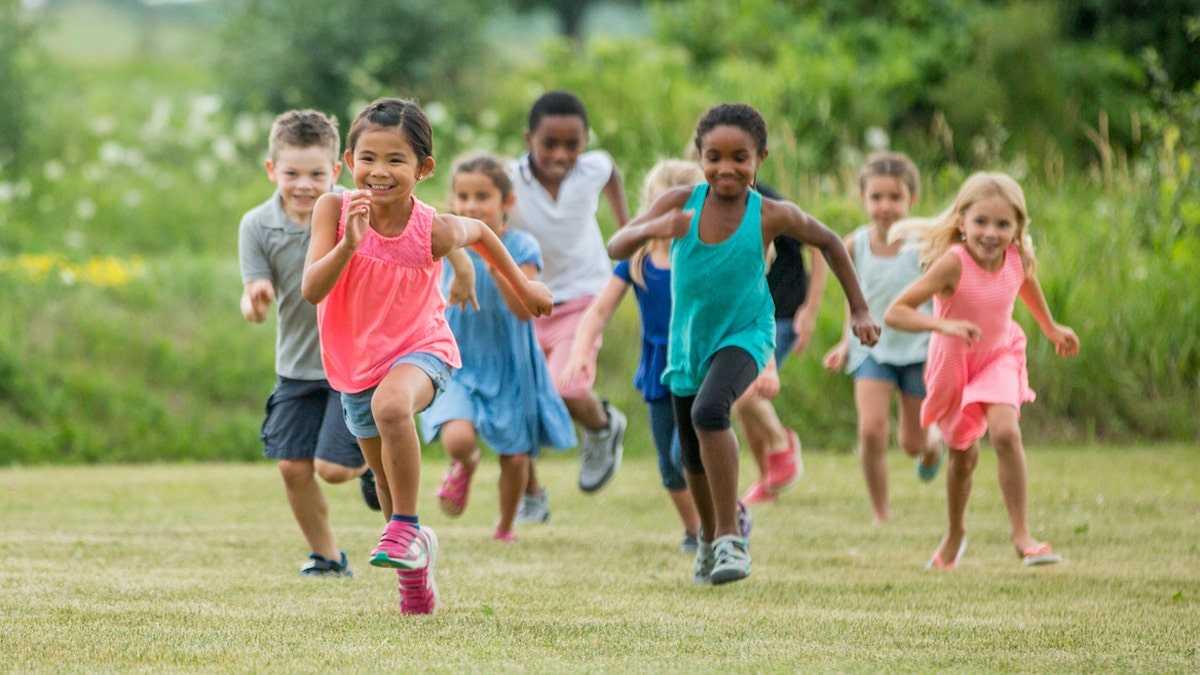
(504, 387)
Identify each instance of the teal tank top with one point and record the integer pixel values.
(719, 297)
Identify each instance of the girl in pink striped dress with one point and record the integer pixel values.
(978, 260)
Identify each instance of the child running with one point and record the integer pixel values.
(978, 258)
(303, 430)
(649, 272)
(558, 188)
(722, 320)
(503, 392)
(889, 185)
(373, 271)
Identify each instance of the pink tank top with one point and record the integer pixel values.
(386, 304)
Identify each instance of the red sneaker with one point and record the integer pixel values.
(758, 493)
(785, 468)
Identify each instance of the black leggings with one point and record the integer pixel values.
(731, 371)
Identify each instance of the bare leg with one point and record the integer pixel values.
(588, 412)
(918, 442)
(719, 452)
(372, 449)
(514, 476)
(309, 507)
(873, 399)
(682, 499)
(405, 390)
(336, 473)
(1005, 434)
(764, 432)
(959, 473)
(702, 498)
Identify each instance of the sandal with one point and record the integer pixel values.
(456, 487)
(936, 560)
(1040, 554)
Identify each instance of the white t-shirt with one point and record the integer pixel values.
(573, 251)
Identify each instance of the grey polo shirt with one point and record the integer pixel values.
(271, 246)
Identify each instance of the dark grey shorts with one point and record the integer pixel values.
(304, 421)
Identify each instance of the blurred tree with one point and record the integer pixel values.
(335, 55)
(1170, 27)
(570, 12)
(17, 59)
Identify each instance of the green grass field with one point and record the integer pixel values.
(194, 567)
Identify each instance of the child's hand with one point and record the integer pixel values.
(864, 327)
(358, 218)
(537, 298)
(835, 359)
(577, 366)
(966, 330)
(1066, 343)
(462, 292)
(674, 224)
(257, 299)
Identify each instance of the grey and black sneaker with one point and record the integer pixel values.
(534, 508)
(366, 483)
(732, 555)
(702, 567)
(320, 566)
(600, 452)
(689, 544)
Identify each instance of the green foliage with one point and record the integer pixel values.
(336, 56)
(17, 54)
(1168, 28)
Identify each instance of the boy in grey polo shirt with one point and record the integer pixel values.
(304, 430)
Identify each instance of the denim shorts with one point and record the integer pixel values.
(909, 379)
(785, 337)
(357, 407)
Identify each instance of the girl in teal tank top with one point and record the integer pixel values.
(722, 317)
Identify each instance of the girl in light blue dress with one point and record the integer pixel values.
(503, 394)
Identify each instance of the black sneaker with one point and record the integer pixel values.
(319, 566)
(366, 483)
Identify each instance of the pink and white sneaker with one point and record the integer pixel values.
(758, 493)
(418, 592)
(401, 547)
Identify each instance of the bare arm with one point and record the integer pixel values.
(837, 356)
(664, 218)
(327, 255)
(614, 192)
(510, 296)
(1066, 343)
(591, 326)
(257, 296)
(940, 279)
(787, 218)
(451, 232)
(462, 284)
(804, 324)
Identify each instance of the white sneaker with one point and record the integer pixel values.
(533, 508)
(600, 453)
(732, 555)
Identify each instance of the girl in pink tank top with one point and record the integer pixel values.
(373, 270)
(978, 260)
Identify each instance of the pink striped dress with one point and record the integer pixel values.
(386, 304)
(961, 381)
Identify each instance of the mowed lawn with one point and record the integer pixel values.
(194, 567)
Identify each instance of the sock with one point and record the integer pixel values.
(410, 520)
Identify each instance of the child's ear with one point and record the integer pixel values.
(509, 201)
(427, 167)
(270, 170)
(337, 171)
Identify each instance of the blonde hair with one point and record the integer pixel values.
(664, 175)
(932, 236)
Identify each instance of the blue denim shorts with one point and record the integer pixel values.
(909, 379)
(356, 408)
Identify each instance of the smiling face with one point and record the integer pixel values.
(476, 195)
(886, 200)
(988, 226)
(730, 159)
(554, 146)
(302, 175)
(384, 162)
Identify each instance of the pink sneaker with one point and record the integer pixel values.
(785, 468)
(505, 537)
(401, 546)
(418, 592)
(758, 493)
(456, 487)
